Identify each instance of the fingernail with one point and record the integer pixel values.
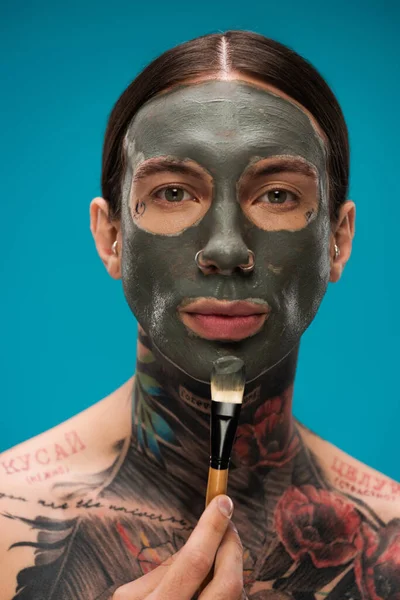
(225, 505)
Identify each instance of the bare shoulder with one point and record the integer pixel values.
(37, 473)
(82, 441)
(354, 478)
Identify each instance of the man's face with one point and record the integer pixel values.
(224, 166)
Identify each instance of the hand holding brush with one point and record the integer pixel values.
(213, 541)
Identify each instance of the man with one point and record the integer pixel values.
(225, 242)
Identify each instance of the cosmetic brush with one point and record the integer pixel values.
(227, 388)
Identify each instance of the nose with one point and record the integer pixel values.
(226, 250)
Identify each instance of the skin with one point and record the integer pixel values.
(125, 516)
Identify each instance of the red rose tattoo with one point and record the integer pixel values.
(270, 440)
(377, 567)
(318, 523)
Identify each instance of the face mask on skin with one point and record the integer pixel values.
(227, 131)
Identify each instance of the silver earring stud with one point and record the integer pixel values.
(114, 248)
(337, 251)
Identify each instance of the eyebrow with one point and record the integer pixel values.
(161, 165)
(294, 165)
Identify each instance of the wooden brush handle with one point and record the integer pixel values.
(217, 484)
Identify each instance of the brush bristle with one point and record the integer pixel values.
(228, 379)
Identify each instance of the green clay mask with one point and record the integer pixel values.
(224, 166)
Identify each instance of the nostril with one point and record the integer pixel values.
(210, 268)
(225, 259)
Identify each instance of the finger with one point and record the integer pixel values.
(227, 582)
(198, 554)
(142, 587)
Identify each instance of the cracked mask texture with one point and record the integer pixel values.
(292, 267)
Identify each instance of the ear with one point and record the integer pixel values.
(342, 236)
(105, 233)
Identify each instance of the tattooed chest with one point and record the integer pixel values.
(325, 547)
(94, 557)
(91, 557)
(320, 546)
(93, 554)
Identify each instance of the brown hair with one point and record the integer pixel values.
(247, 53)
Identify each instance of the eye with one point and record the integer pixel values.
(278, 196)
(172, 194)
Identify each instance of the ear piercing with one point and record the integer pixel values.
(114, 248)
(337, 252)
(205, 267)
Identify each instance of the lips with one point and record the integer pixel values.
(224, 320)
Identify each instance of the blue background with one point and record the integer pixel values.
(67, 335)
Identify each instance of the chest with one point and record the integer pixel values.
(103, 546)
(99, 550)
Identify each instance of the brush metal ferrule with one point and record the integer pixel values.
(224, 421)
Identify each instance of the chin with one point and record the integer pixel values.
(195, 356)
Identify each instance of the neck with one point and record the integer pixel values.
(171, 418)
